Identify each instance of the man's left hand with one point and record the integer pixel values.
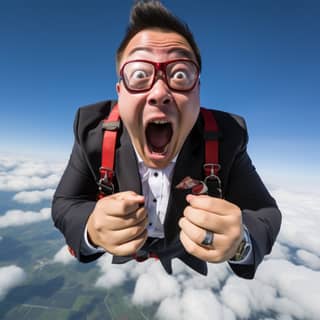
(219, 216)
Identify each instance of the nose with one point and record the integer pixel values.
(160, 94)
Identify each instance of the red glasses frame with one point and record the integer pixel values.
(160, 66)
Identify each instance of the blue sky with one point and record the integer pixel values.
(260, 60)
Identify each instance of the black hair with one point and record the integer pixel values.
(152, 14)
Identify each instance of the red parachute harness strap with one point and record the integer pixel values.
(111, 127)
(211, 166)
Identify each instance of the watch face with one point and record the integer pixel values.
(245, 251)
(239, 254)
(242, 251)
(244, 246)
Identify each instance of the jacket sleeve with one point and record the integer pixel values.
(260, 212)
(75, 199)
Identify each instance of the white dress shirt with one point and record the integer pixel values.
(156, 184)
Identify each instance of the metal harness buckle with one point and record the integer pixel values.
(212, 181)
(105, 183)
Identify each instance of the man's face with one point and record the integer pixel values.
(158, 120)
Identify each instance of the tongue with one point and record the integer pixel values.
(158, 136)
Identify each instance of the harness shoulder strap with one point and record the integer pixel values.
(111, 127)
(211, 135)
(211, 166)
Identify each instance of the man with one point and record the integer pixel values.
(159, 155)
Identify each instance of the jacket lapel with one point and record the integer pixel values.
(127, 172)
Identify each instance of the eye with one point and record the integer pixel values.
(139, 74)
(179, 75)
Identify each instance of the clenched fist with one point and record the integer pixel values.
(118, 223)
(219, 216)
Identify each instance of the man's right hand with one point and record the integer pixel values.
(118, 223)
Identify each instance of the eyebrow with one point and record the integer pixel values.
(180, 52)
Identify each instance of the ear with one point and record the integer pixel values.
(118, 87)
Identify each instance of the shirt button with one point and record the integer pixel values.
(156, 174)
(150, 224)
(154, 200)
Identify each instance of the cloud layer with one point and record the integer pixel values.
(10, 277)
(35, 196)
(18, 217)
(286, 285)
(26, 174)
(22, 175)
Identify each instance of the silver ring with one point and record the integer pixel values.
(208, 238)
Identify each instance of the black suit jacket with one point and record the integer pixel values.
(76, 193)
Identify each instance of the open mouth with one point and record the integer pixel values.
(158, 135)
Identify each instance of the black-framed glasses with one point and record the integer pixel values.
(140, 75)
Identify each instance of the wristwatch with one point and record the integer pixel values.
(244, 246)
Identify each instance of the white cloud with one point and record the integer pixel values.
(308, 259)
(169, 309)
(279, 252)
(8, 162)
(63, 256)
(35, 196)
(10, 182)
(217, 274)
(296, 283)
(245, 298)
(19, 217)
(301, 219)
(163, 286)
(194, 304)
(10, 277)
(31, 168)
(112, 276)
(26, 174)
(286, 284)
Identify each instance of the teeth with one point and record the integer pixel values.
(160, 121)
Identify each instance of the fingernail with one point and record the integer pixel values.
(189, 197)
